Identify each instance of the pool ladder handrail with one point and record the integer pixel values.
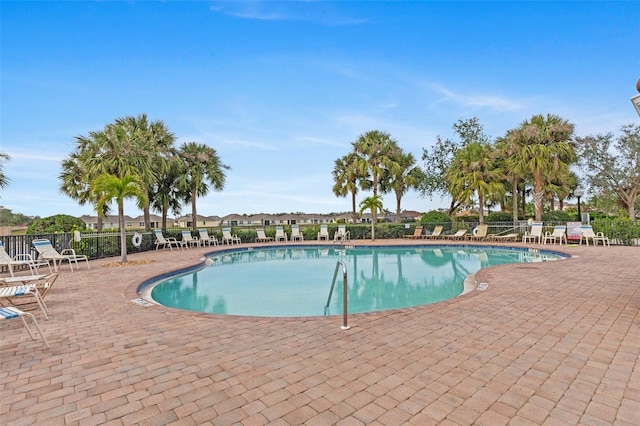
(344, 325)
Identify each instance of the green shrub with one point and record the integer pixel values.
(500, 217)
(623, 231)
(57, 223)
(558, 216)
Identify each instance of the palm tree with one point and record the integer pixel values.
(374, 204)
(375, 151)
(543, 144)
(4, 180)
(346, 180)
(76, 184)
(403, 175)
(473, 171)
(111, 187)
(165, 193)
(201, 164)
(128, 146)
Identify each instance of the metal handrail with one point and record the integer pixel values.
(344, 325)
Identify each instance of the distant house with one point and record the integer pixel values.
(112, 222)
(201, 221)
(410, 215)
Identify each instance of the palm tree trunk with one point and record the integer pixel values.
(123, 233)
(481, 208)
(194, 213)
(514, 203)
(353, 205)
(538, 195)
(147, 218)
(398, 200)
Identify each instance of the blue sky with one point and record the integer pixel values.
(281, 89)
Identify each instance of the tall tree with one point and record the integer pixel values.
(544, 144)
(109, 188)
(4, 180)
(373, 204)
(438, 161)
(166, 194)
(128, 146)
(375, 151)
(474, 172)
(347, 180)
(403, 175)
(613, 164)
(201, 164)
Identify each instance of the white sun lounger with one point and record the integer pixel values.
(11, 312)
(25, 290)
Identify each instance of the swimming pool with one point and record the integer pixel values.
(295, 281)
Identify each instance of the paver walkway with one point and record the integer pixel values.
(549, 343)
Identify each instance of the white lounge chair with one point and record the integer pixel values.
(534, 235)
(437, 233)
(280, 234)
(587, 234)
(25, 290)
(43, 283)
(262, 237)
(46, 251)
(205, 239)
(228, 238)
(296, 235)
(479, 233)
(21, 260)
(164, 242)
(324, 233)
(512, 236)
(188, 240)
(341, 235)
(11, 312)
(458, 235)
(559, 235)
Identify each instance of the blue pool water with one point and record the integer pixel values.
(295, 281)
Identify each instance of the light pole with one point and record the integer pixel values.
(579, 192)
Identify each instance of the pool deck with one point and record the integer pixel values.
(554, 343)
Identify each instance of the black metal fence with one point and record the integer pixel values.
(107, 244)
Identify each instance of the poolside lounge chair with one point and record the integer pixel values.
(228, 238)
(296, 235)
(15, 291)
(205, 239)
(512, 236)
(11, 312)
(164, 242)
(188, 240)
(479, 233)
(437, 233)
(417, 233)
(341, 234)
(459, 235)
(43, 283)
(324, 233)
(559, 235)
(280, 234)
(21, 260)
(262, 237)
(47, 252)
(587, 234)
(535, 234)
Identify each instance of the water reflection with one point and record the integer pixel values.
(296, 281)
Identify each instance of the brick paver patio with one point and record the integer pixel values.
(547, 343)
